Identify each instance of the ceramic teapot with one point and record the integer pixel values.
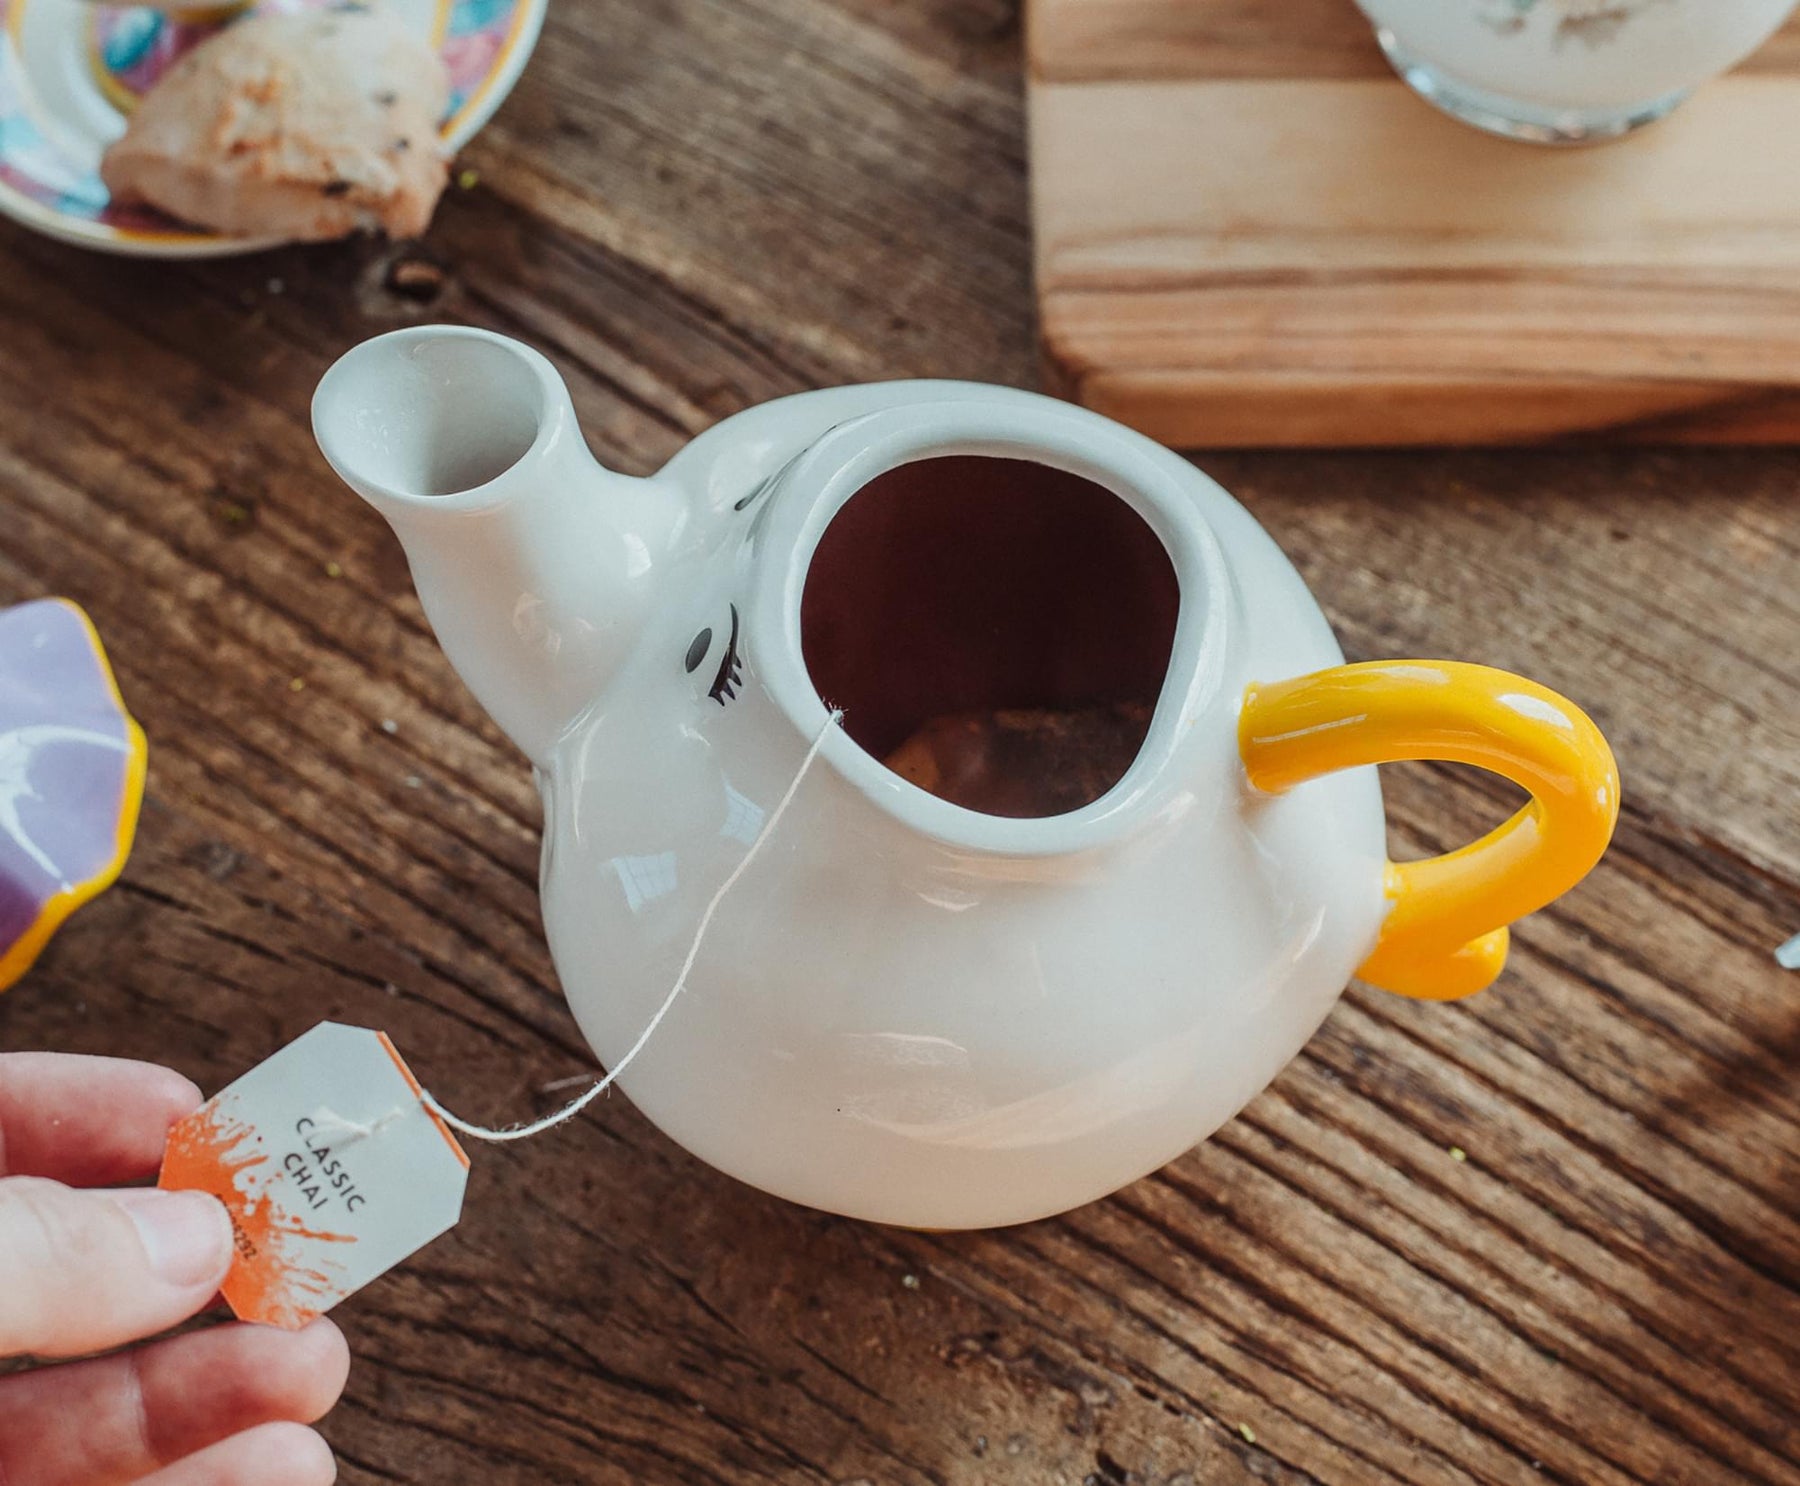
(907, 1009)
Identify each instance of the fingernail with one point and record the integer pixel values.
(186, 1235)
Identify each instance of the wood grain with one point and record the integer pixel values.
(693, 205)
(1250, 233)
(1134, 40)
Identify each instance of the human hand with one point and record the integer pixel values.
(85, 1270)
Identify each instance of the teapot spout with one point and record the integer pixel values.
(534, 563)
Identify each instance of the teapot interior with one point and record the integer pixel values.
(996, 631)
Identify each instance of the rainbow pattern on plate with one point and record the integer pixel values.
(71, 775)
(131, 47)
(134, 46)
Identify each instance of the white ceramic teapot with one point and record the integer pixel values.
(907, 1009)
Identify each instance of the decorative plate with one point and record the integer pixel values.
(70, 71)
(71, 775)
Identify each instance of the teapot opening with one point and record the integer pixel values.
(997, 631)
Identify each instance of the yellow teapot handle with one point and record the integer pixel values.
(1445, 934)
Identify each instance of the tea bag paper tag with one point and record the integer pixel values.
(331, 1167)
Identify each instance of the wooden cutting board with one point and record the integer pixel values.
(1249, 232)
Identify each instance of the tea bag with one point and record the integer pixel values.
(1023, 763)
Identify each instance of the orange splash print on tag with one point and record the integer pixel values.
(210, 1152)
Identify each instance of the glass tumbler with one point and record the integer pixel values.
(1567, 71)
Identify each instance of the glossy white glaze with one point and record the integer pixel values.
(905, 1011)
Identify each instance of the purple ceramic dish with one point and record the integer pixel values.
(71, 775)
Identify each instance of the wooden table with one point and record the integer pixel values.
(693, 205)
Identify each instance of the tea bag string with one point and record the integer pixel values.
(600, 1086)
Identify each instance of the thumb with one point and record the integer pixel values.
(87, 1270)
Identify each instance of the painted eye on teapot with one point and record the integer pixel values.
(696, 652)
(731, 672)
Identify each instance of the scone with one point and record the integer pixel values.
(305, 126)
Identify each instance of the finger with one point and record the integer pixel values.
(273, 1455)
(121, 1417)
(89, 1270)
(87, 1121)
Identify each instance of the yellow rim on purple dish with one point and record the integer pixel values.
(20, 948)
(70, 70)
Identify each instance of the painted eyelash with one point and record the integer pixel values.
(731, 671)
